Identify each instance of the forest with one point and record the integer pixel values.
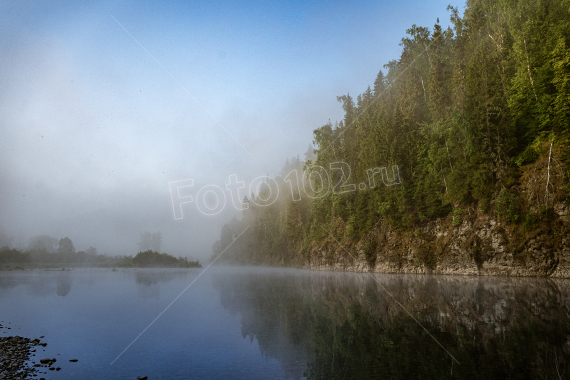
(469, 120)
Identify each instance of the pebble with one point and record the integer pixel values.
(15, 360)
(14, 353)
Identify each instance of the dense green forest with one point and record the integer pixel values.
(475, 117)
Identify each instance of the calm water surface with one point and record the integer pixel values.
(259, 323)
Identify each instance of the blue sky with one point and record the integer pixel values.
(93, 128)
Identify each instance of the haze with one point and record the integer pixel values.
(94, 125)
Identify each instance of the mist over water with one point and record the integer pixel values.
(240, 322)
(141, 142)
(103, 104)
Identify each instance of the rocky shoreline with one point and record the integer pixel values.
(476, 245)
(17, 358)
(15, 352)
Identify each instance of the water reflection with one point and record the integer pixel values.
(149, 280)
(268, 304)
(63, 281)
(38, 283)
(344, 325)
(152, 277)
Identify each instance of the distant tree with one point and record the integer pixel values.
(91, 251)
(156, 241)
(309, 154)
(13, 256)
(144, 241)
(150, 241)
(44, 242)
(66, 246)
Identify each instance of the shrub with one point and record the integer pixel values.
(530, 222)
(457, 216)
(507, 206)
(154, 259)
(370, 252)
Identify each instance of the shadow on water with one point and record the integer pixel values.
(325, 325)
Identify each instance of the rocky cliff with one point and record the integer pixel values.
(476, 244)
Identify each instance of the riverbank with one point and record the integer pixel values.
(477, 244)
(15, 355)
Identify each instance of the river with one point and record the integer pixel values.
(270, 323)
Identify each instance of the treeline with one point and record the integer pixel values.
(149, 259)
(11, 256)
(476, 118)
(46, 250)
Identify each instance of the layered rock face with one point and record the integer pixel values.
(476, 244)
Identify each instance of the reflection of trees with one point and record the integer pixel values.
(38, 283)
(156, 276)
(63, 281)
(269, 306)
(149, 280)
(346, 326)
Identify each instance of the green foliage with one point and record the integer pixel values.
(154, 259)
(484, 205)
(507, 206)
(457, 220)
(534, 150)
(530, 222)
(370, 252)
(39, 255)
(527, 156)
(459, 111)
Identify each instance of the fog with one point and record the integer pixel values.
(104, 104)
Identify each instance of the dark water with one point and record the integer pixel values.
(255, 323)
